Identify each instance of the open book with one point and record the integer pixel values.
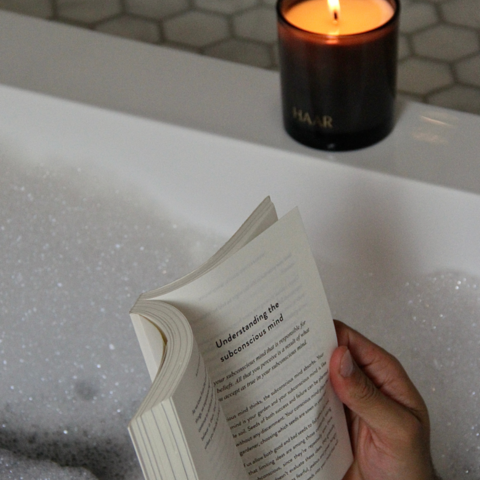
(238, 353)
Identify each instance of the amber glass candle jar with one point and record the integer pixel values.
(338, 71)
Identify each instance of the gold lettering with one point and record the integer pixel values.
(307, 119)
(327, 121)
(324, 121)
(297, 114)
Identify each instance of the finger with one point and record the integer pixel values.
(383, 369)
(360, 394)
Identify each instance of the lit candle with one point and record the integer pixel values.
(355, 16)
(338, 70)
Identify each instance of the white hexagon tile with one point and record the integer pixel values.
(439, 48)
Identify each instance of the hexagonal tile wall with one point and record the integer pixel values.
(457, 97)
(225, 6)
(422, 76)
(439, 45)
(416, 16)
(445, 42)
(156, 10)
(462, 12)
(257, 24)
(242, 51)
(131, 27)
(37, 8)
(468, 71)
(88, 11)
(196, 29)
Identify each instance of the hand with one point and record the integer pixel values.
(388, 419)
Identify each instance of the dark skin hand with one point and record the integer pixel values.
(388, 419)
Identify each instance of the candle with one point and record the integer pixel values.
(355, 16)
(338, 70)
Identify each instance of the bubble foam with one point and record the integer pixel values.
(14, 467)
(75, 253)
(431, 323)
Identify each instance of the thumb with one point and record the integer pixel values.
(359, 393)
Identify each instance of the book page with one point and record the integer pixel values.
(186, 436)
(151, 343)
(204, 425)
(264, 329)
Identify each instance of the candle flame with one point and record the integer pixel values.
(334, 7)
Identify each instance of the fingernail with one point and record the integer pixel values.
(346, 365)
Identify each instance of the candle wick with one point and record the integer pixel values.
(334, 7)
